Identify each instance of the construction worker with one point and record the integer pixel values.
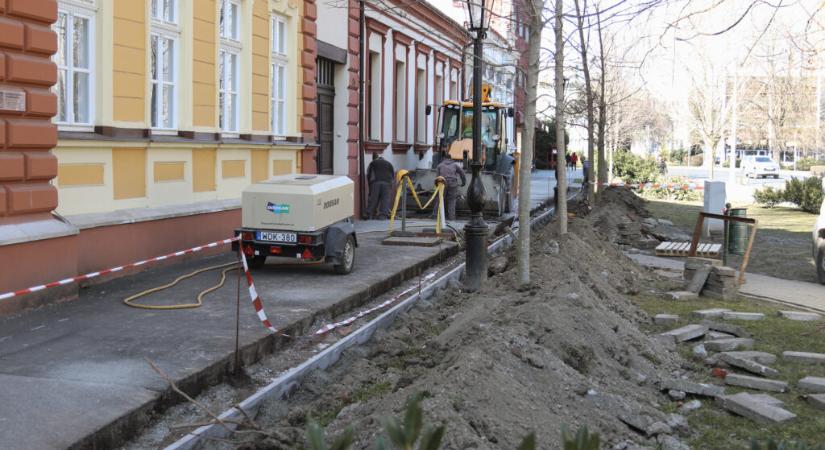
(380, 175)
(453, 175)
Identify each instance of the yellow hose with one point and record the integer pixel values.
(129, 300)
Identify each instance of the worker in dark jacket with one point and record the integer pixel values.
(380, 175)
(453, 177)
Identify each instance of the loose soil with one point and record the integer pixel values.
(499, 364)
(574, 348)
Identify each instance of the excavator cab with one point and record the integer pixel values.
(455, 141)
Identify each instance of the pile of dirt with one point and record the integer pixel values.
(617, 205)
(498, 364)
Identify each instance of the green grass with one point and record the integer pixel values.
(783, 239)
(716, 428)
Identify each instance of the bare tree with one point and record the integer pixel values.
(561, 178)
(588, 94)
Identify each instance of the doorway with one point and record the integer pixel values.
(325, 81)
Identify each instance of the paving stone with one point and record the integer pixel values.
(690, 387)
(729, 328)
(800, 316)
(760, 357)
(682, 295)
(724, 271)
(665, 319)
(817, 401)
(726, 345)
(735, 315)
(735, 379)
(713, 313)
(695, 262)
(713, 335)
(749, 365)
(765, 398)
(687, 332)
(637, 422)
(747, 406)
(804, 357)
(699, 278)
(815, 385)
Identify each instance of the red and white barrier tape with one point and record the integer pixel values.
(253, 295)
(91, 275)
(331, 326)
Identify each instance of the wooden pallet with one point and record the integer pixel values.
(669, 248)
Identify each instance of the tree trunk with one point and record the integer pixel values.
(561, 169)
(526, 163)
(588, 93)
(602, 179)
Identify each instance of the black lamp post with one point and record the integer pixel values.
(478, 20)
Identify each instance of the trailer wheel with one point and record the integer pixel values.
(257, 261)
(347, 257)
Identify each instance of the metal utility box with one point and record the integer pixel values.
(307, 217)
(297, 202)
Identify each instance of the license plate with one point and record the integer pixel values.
(277, 236)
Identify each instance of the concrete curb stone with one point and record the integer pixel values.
(747, 381)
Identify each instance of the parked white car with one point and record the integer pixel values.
(819, 240)
(760, 166)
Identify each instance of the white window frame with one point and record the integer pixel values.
(156, 4)
(279, 61)
(230, 44)
(229, 127)
(235, 36)
(88, 11)
(164, 29)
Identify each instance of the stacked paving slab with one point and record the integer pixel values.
(695, 263)
(721, 283)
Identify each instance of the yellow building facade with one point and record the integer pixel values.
(174, 102)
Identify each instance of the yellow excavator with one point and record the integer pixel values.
(499, 174)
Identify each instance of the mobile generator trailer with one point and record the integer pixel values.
(308, 218)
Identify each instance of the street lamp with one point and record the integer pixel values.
(475, 232)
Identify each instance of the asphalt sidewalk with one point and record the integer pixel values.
(77, 369)
(796, 293)
(74, 374)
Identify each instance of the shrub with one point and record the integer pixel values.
(634, 169)
(793, 190)
(696, 160)
(806, 163)
(806, 194)
(768, 197)
(811, 195)
(678, 156)
(676, 192)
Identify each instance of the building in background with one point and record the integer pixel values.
(173, 102)
(413, 61)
